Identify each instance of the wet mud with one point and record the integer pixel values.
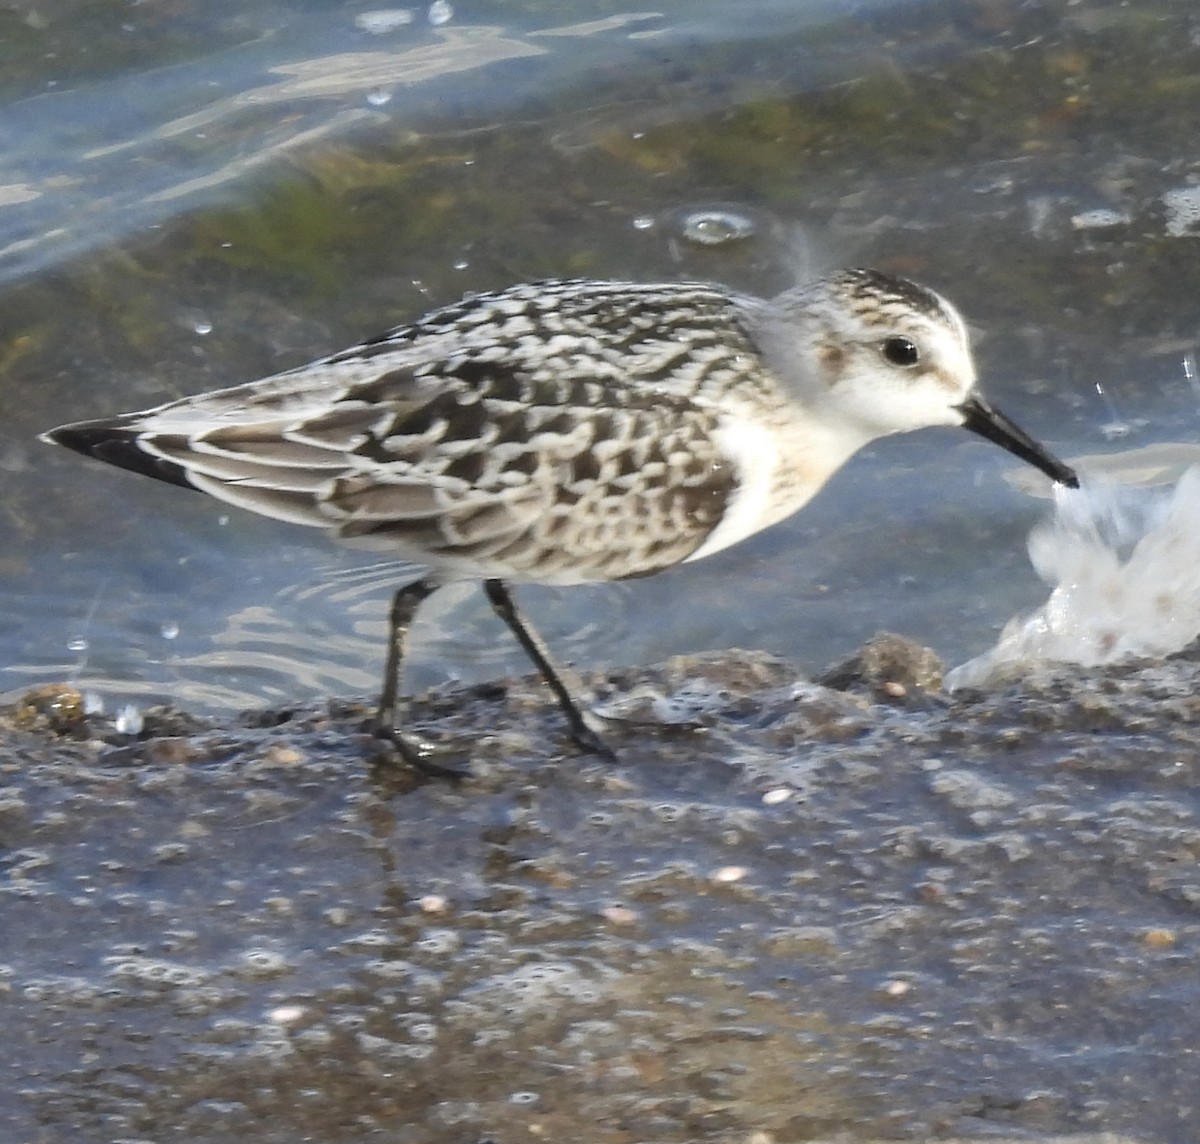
(790, 911)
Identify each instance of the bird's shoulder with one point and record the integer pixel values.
(622, 334)
(576, 344)
(559, 311)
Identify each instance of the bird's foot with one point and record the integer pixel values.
(641, 714)
(587, 731)
(417, 754)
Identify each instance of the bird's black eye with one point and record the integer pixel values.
(900, 351)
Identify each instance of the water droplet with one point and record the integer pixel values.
(440, 12)
(378, 97)
(93, 703)
(128, 720)
(169, 629)
(713, 227)
(643, 222)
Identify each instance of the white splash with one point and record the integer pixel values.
(1124, 564)
(128, 720)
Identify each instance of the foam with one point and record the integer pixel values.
(1124, 566)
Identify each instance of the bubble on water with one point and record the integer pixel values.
(379, 96)
(715, 226)
(438, 941)
(543, 985)
(314, 1037)
(61, 991)
(524, 1098)
(461, 264)
(270, 1042)
(440, 12)
(169, 629)
(370, 939)
(202, 326)
(382, 20)
(263, 963)
(389, 970)
(643, 222)
(154, 971)
(78, 644)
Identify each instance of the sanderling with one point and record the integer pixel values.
(571, 431)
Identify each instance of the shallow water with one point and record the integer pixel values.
(974, 920)
(191, 201)
(806, 918)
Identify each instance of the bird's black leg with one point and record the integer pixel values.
(583, 732)
(415, 752)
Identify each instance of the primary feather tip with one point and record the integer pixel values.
(116, 441)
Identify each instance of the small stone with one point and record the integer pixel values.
(728, 874)
(1159, 938)
(57, 707)
(286, 1014)
(281, 756)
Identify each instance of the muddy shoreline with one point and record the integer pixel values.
(875, 910)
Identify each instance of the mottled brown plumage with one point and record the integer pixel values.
(563, 432)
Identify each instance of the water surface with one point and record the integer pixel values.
(192, 201)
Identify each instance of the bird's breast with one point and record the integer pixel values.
(780, 463)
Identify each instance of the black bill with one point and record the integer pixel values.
(981, 418)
